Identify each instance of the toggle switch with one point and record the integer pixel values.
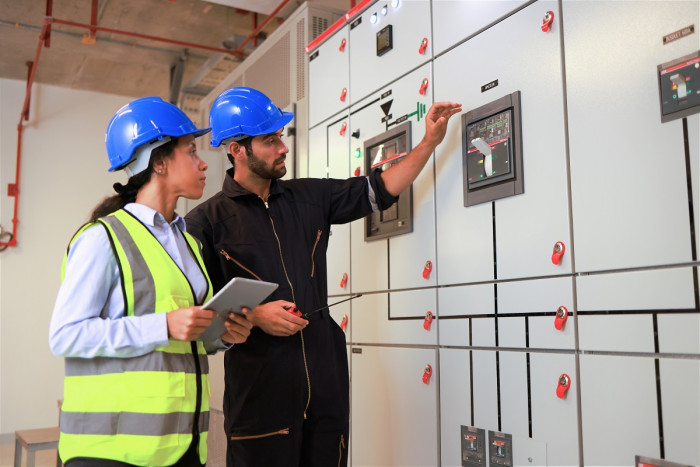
(344, 280)
(423, 87)
(562, 315)
(342, 45)
(558, 252)
(427, 268)
(547, 21)
(343, 127)
(679, 81)
(485, 149)
(563, 385)
(427, 373)
(343, 94)
(344, 322)
(428, 319)
(423, 46)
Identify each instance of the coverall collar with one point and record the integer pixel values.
(233, 189)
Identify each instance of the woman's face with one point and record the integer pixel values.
(185, 170)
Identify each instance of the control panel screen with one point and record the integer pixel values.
(679, 89)
(495, 133)
(381, 152)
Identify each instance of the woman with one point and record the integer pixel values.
(136, 389)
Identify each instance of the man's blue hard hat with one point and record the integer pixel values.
(239, 112)
(144, 121)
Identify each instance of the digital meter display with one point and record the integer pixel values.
(495, 131)
(384, 41)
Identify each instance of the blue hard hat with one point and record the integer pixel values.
(143, 121)
(239, 112)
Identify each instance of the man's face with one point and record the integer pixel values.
(268, 154)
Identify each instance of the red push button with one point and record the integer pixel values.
(427, 373)
(562, 315)
(563, 385)
(357, 172)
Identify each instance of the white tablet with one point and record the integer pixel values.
(239, 292)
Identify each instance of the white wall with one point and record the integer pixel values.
(63, 176)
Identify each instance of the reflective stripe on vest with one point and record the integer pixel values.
(139, 410)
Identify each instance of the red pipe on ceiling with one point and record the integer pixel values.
(44, 39)
(145, 36)
(13, 188)
(255, 32)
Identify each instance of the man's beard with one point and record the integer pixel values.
(258, 167)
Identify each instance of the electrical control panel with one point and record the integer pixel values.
(679, 90)
(500, 449)
(383, 151)
(491, 151)
(473, 446)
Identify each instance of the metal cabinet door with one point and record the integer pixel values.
(539, 301)
(339, 248)
(619, 409)
(394, 413)
(628, 171)
(329, 77)
(455, 403)
(405, 255)
(396, 318)
(554, 419)
(526, 226)
(455, 20)
(410, 25)
(617, 312)
(458, 307)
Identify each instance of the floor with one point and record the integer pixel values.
(45, 458)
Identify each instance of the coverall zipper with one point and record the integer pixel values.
(226, 255)
(283, 431)
(313, 264)
(301, 333)
(340, 449)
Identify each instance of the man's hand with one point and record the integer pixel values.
(186, 324)
(436, 121)
(275, 318)
(399, 176)
(238, 327)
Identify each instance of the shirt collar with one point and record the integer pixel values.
(153, 218)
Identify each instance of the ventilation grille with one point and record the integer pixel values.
(271, 73)
(318, 26)
(301, 60)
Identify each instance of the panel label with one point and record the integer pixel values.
(490, 85)
(681, 33)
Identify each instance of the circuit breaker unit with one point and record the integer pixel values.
(679, 92)
(491, 151)
(383, 151)
(473, 446)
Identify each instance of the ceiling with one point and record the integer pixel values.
(120, 64)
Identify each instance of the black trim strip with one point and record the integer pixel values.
(471, 372)
(119, 265)
(658, 389)
(691, 209)
(529, 385)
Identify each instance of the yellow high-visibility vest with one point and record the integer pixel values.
(140, 410)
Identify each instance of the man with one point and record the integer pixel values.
(286, 401)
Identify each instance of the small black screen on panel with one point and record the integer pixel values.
(384, 41)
